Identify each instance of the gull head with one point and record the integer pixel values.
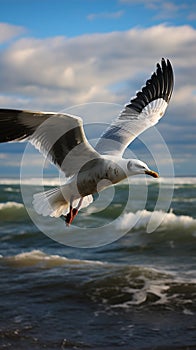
(136, 167)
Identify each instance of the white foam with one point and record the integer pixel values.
(134, 180)
(11, 205)
(184, 200)
(141, 219)
(32, 181)
(41, 259)
(10, 189)
(165, 180)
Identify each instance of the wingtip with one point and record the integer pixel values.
(159, 85)
(166, 62)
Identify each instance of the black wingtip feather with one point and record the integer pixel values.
(10, 127)
(160, 85)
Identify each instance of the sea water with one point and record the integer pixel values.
(136, 292)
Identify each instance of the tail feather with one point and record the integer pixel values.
(55, 202)
(50, 203)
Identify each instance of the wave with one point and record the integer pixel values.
(130, 286)
(13, 211)
(110, 284)
(11, 189)
(40, 259)
(167, 221)
(164, 180)
(178, 180)
(184, 200)
(134, 180)
(11, 205)
(10, 211)
(32, 181)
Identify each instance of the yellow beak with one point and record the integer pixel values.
(152, 173)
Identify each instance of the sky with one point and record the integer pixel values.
(85, 55)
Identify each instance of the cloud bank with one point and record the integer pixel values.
(9, 31)
(59, 72)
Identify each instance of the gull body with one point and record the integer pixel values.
(106, 172)
(61, 138)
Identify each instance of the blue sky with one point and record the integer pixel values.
(57, 54)
(48, 18)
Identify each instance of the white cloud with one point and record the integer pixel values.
(56, 73)
(62, 72)
(15, 160)
(105, 15)
(163, 9)
(168, 9)
(192, 15)
(9, 31)
(144, 2)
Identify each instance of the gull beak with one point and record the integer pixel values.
(152, 173)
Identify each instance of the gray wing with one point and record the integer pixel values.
(142, 112)
(60, 137)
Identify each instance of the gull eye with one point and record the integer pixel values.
(129, 165)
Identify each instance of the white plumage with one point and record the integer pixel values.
(61, 138)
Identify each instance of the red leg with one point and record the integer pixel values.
(69, 216)
(72, 213)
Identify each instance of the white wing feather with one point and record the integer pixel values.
(142, 112)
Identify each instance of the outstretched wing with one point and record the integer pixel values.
(60, 137)
(142, 112)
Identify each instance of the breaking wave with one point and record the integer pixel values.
(140, 220)
(55, 181)
(168, 221)
(12, 211)
(40, 259)
(114, 286)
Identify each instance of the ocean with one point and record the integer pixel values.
(108, 282)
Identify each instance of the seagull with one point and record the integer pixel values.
(89, 170)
